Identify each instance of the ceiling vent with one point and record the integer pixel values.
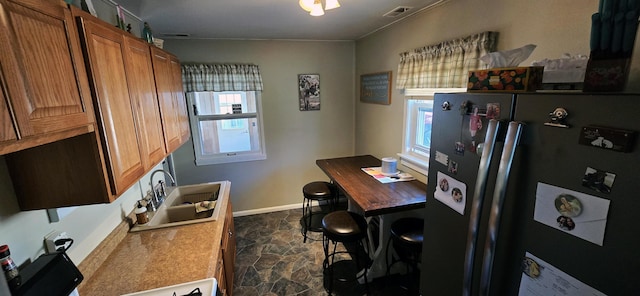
(176, 35)
(400, 10)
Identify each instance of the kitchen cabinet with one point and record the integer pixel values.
(220, 275)
(105, 53)
(227, 256)
(173, 107)
(44, 83)
(145, 102)
(7, 131)
(129, 138)
(64, 173)
(181, 101)
(229, 249)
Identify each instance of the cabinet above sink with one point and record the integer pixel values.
(136, 117)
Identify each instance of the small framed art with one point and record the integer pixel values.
(309, 92)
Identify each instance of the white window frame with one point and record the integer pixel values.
(226, 157)
(415, 98)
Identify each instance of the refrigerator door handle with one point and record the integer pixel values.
(476, 204)
(506, 160)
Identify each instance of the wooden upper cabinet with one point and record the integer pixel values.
(114, 109)
(169, 107)
(44, 81)
(145, 101)
(7, 129)
(178, 93)
(46, 49)
(97, 107)
(8, 82)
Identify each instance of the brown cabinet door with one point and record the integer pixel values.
(8, 66)
(220, 276)
(178, 93)
(115, 115)
(229, 250)
(169, 109)
(142, 90)
(47, 64)
(7, 128)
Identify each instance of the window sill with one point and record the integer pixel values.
(417, 164)
(230, 159)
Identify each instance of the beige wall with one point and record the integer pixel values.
(294, 139)
(556, 27)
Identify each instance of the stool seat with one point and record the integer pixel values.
(408, 232)
(349, 229)
(344, 226)
(325, 195)
(318, 190)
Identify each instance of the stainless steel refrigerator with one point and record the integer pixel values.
(533, 194)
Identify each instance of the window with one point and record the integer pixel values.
(417, 127)
(226, 126)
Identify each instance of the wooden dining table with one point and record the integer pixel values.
(379, 202)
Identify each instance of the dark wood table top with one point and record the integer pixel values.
(373, 197)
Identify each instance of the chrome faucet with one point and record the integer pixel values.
(159, 191)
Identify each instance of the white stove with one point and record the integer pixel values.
(207, 287)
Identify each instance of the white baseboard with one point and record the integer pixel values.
(267, 210)
(277, 209)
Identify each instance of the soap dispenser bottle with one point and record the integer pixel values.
(141, 214)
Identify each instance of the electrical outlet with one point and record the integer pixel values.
(56, 241)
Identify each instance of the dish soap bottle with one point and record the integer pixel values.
(141, 214)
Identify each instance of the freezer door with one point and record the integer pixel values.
(459, 129)
(558, 156)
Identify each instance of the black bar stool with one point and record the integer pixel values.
(350, 229)
(407, 235)
(321, 192)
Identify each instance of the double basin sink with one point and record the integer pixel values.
(179, 206)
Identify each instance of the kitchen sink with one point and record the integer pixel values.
(191, 194)
(179, 206)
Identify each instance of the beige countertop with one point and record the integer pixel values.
(138, 261)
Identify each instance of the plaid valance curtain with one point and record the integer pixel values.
(444, 65)
(221, 77)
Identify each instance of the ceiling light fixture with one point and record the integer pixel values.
(314, 7)
(316, 10)
(331, 4)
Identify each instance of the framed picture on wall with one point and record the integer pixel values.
(376, 88)
(309, 92)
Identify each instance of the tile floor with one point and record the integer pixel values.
(273, 260)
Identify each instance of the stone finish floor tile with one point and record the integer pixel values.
(272, 259)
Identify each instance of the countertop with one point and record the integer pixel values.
(157, 258)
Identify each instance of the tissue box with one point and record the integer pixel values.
(158, 42)
(516, 79)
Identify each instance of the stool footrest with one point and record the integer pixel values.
(345, 276)
(315, 224)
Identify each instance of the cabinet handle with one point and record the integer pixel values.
(195, 110)
(230, 233)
